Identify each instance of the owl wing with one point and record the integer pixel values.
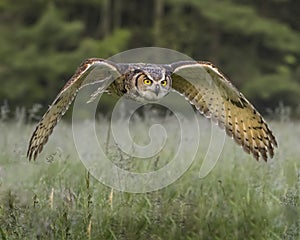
(91, 71)
(215, 97)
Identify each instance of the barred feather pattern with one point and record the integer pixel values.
(59, 106)
(215, 97)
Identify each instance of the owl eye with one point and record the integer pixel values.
(147, 81)
(164, 83)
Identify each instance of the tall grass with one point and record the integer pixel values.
(56, 198)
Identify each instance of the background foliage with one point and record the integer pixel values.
(254, 42)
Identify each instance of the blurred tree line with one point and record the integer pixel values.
(256, 43)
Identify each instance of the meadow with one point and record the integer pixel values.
(55, 197)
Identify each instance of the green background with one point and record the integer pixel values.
(255, 43)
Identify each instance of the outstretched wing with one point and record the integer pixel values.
(91, 71)
(215, 97)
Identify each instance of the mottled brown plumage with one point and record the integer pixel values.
(199, 82)
(62, 102)
(218, 99)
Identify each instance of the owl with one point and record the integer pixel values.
(201, 83)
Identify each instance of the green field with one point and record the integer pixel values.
(55, 198)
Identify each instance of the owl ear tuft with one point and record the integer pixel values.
(137, 71)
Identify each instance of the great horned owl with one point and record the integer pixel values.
(201, 83)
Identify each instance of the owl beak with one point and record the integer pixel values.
(156, 90)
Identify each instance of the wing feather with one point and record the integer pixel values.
(60, 105)
(215, 97)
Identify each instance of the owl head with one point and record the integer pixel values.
(151, 83)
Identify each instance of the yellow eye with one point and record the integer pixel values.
(163, 83)
(147, 81)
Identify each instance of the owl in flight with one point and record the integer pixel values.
(201, 83)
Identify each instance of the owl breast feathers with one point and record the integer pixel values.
(201, 83)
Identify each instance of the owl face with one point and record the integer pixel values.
(151, 84)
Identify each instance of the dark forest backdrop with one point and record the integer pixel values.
(256, 43)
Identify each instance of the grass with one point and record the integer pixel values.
(55, 197)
